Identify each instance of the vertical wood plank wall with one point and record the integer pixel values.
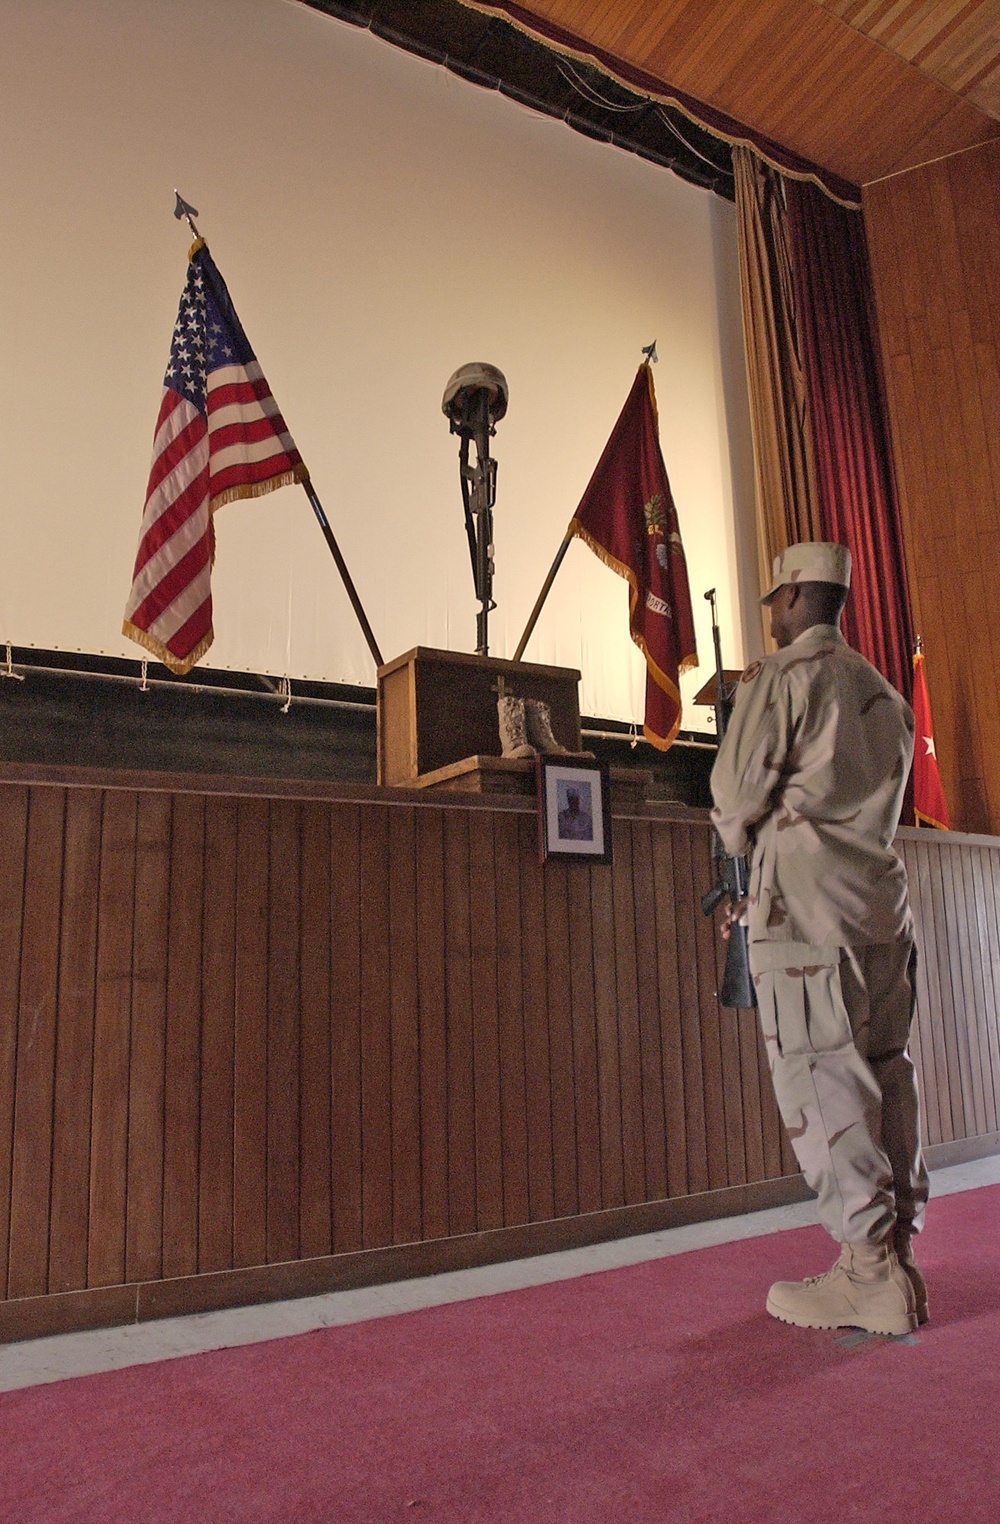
(935, 254)
(239, 1030)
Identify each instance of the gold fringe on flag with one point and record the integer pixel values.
(298, 473)
(660, 678)
(179, 665)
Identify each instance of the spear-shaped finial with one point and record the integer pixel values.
(649, 350)
(184, 209)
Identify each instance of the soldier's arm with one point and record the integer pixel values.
(749, 766)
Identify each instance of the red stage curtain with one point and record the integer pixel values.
(857, 497)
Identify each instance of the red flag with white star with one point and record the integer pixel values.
(928, 794)
(627, 517)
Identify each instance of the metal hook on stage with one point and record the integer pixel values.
(8, 670)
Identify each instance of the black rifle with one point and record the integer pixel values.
(732, 873)
(479, 495)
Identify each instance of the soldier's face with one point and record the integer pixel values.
(782, 632)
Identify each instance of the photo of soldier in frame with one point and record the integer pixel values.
(574, 813)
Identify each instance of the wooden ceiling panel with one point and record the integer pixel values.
(959, 128)
(986, 94)
(696, 34)
(953, 41)
(865, 88)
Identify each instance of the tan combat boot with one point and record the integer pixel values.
(513, 727)
(901, 1242)
(539, 718)
(867, 1288)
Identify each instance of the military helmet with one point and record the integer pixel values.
(469, 380)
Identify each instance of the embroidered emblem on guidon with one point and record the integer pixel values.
(654, 514)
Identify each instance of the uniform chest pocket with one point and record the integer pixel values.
(800, 998)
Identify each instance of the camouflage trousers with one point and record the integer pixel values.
(836, 1025)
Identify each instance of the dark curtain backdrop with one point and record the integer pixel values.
(852, 455)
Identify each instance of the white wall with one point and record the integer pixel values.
(379, 223)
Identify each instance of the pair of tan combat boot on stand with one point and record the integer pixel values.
(526, 727)
(876, 1287)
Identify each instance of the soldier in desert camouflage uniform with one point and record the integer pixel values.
(811, 775)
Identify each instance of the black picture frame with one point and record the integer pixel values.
(574, 809)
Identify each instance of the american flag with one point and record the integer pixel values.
(219, 436)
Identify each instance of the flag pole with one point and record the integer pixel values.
(317, 508)
(546, 585)
(184, 210)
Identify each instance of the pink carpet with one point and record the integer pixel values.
(658, 1392)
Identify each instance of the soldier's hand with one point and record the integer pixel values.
(734, 913)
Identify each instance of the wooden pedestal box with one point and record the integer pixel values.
(440, 707)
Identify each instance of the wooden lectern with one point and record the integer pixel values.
(438, 725)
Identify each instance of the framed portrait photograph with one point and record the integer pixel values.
(574, 809)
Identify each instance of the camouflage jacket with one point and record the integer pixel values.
(811, 775)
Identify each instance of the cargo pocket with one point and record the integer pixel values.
(801, 1003)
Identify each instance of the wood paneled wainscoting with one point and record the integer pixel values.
(260, 1041)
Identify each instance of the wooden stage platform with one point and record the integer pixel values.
(261, 1040)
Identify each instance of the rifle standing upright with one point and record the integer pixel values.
(732, 873)
(475, 400)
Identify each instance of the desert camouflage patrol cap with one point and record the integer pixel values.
(810, 561)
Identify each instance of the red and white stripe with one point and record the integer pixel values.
(249, 443)
(243, 450)
(169, 609)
